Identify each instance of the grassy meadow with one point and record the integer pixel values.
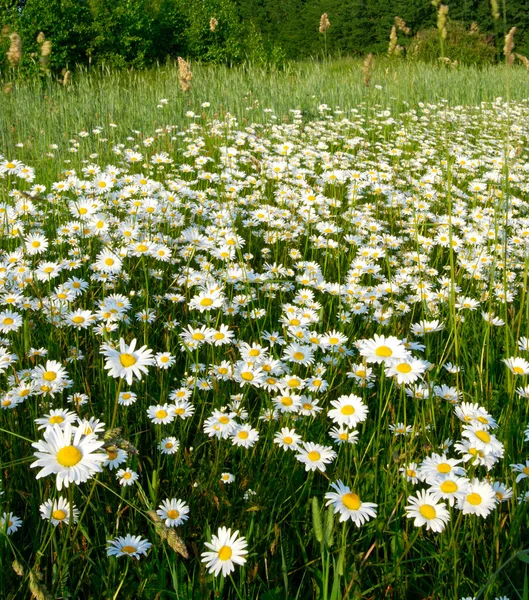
(283, 303)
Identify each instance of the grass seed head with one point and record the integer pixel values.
(324, 23)
(184, 74)
(14, 53)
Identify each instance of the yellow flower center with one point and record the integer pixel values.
(403, 368)
(169, 445)
(288, 440)
(449, 487)
(483, 420)
(161, 414)
(483, 436)
(109, 261)
(78, 319)
(333, 340)
(525, 470)
(518, 370)
(383, 351)
(298, 356)
(444, 468)
(56, 419)
(293, 383)
(348, 410)
(128, 549)
(206, 302)
(351, 501)
(428, 511)
(219, 336)
(50, 376)
(141, 248)
(474, 499)
(225, 553)
(69, 456)
(173, 514)
(127, 360)
(127, 475)
(58, 514)
(247, 376)
(254, 352)
(243, 435)
(224, 420)
(223, 370)
(198, 336)
(8, 321)
(295, 322)
(314, 456)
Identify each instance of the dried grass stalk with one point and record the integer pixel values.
(324, 23)
(184, 74)
(401, 25)
(14, 53)
(509, 45)
(366, 69)
(213, 24)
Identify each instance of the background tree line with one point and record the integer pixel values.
(138, 33)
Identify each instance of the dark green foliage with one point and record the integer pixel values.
(138, 33)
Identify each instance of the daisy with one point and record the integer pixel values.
(287, 402)
(522, 470)
(315, 456)
(58, 511)
(349, 505)
(161, 414)
(36, 244)
(51, 374)
(169, 445)
(342, 435)
(437, 465)
(73, 461)
(127, 398)
(115, 457)
(503, 493)
(426, 327)
(127, 476)
(226, 550)
(130, 545)
(425, 509)
(59, 416)
(452, 488)
(164, 360)
(411, 473)
(287, 439)
(9, 523)
(299, 354)
(10, 321)
(245, 436)
(108, 262)
(480, 499)
(380, 349)
(80, 319)
(174, 512)
(518, 366)
(220, 424)
(348, 411)
(406, 371)
(482, 439)
(127, 362)
(227, 478)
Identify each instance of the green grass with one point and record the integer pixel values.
(412, 133)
